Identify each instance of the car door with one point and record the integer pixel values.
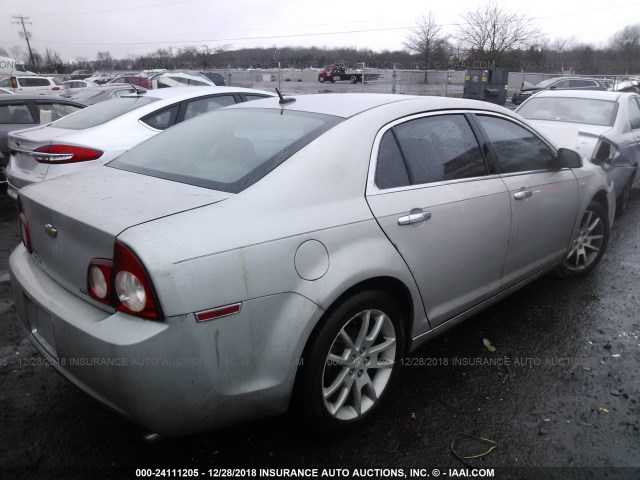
(544, 199)
(431, 193)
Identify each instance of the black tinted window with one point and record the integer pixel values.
(440, 148)
(390, 171)
(163, 119)
(34, 82)
(516, 148)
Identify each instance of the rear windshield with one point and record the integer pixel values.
(87, 93)
(226, 150)
(103, 112)
(573, 110)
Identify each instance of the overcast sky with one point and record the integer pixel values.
(81, 28)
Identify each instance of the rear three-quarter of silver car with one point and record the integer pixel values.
(277, 251)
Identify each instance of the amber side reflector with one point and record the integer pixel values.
(218, 312)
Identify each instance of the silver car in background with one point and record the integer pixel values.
(604, 127)
(289, 252)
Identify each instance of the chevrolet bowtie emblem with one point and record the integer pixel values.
(52, 232)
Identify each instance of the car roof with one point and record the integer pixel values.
(591, 94)
(180, 93)
(346, 105)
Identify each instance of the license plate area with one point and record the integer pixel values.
(42, 326)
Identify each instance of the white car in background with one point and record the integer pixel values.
(104, 131)
(32, 84)
(604, 127)
(71, 87)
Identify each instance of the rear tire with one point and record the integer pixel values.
(589, 243)
(351, 362)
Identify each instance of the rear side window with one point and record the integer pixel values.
(227, 150)
(163, 119)
(391, 171)
(514, 148)
(33, 82)
(434, 149)
(204, 105)
(103, 112)
(15, 114)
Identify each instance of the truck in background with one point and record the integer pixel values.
(339, 71)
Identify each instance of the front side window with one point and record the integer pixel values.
(227, 150)
(434, 149)
(514, 148)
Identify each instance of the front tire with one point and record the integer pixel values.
(589, 243)
(351, 362)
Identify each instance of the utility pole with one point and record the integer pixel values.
(21, 20)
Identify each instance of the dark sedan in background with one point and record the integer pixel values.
(23, 111)
(559, 83)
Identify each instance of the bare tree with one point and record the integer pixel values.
(104, 61)
(490, 31)
(627, 39)
(424, 39)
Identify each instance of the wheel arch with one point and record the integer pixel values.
(391, 285)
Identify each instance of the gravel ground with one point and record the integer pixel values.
(559, 398)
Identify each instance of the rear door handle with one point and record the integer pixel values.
(522, 194)
(414, 218)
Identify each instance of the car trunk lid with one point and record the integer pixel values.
(22, 145)
(76, 218)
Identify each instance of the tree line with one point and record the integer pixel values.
(488, 37)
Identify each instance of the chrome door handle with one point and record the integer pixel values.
(522, 194)
(414, 218)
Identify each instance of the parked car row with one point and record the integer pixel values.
(285, 253)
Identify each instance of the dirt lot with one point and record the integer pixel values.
(564, 401)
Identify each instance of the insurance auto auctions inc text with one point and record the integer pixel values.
(373, 473)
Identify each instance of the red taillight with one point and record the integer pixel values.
(65, 154)
(99, 280)
(24, 228)
(14, 82)
(133, 291)
(55, 88)
(123, 284)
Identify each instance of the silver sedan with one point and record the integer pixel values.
(290, 252)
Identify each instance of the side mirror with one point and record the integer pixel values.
(569, 159)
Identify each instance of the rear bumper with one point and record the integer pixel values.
(176, 376)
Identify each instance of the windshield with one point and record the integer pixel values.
(574, 110)
(102, 112)
(87, 93)
(226, 150)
